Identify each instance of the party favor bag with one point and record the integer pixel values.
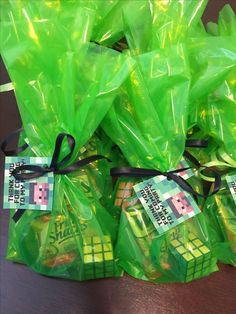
(216, 117)
(64, 87)
(221, 212)
(159, 24)
(148, 121)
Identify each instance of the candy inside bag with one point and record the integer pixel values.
(67, 246)
(182, 254)
(70, 242)
(96, 175)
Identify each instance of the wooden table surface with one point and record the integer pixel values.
(23, 291)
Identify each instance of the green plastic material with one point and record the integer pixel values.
(149, 121)
(180, 255)
(63, 83)
(213, 87)
(219, 209)
(221, 212)
(216, 117)
(172, 75)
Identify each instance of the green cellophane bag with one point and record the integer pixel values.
(169, 23)
(221, 212)
(63, 84)
(216, 118)
(96, 175)
(211, 83)
(110, 26)
(148, 121)
(219, 209)
(212, 93)
(213, 112)
(151, 24)
(166, 23)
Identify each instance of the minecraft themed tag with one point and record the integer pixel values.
(231, 181)
(165, 202)
(30, 194)
(185, 174)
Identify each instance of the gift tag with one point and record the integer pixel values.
(30, 194)
(165, 202)
(185, 174)
(231, 181)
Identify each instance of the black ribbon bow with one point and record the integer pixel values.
(28, 172)
(56, 166)
(173, 175)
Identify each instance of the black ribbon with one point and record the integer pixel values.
(191, 158)
(173, 175)
(8, 139)
(28, 172)
(196, 143)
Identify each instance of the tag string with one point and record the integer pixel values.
(56, 166)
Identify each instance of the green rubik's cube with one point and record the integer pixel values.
(98, 257)
(193, 258)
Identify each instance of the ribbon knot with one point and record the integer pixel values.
(171, 175)
(28, 172)
(57, 166)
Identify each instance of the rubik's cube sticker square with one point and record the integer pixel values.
(165, 202)
(30, 194)
(191, 258)
(98, 257)
(231, 181)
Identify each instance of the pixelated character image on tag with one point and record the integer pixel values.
(181, 165)
(180, 205)
(39, 193)
(187, 173)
